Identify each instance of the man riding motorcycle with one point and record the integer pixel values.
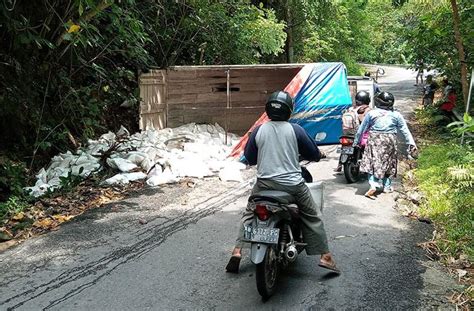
(275, 148)
(362, 102)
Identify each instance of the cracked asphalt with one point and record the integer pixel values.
(166, 248)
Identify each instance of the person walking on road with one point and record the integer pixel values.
(275, 148)
(379, 160)
(420, 69)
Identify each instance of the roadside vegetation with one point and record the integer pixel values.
(444, 174)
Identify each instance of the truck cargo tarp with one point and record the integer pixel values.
(321, 94)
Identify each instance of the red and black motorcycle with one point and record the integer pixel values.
(350, 158)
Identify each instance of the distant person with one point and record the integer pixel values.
(420, 69)
(448, 102)
(379, 160)
(429, 91)
(376, 86)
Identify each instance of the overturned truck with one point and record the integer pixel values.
(234, 96)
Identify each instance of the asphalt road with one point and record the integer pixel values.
(107, 259)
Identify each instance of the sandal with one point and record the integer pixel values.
(371, 194)
(233, 265)
(328, 266)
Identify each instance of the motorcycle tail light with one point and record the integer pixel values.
(346, 141)
(262, 212)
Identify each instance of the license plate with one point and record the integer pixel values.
(346, 150)
(259, 234)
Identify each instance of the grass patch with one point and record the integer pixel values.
(445, 173)
(14, 205)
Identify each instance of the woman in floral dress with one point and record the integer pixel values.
(380, 156)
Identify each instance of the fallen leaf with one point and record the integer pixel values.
(62, 218)
(74, 28)
(44, 223)
(19, 216)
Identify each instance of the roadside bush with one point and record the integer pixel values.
(12, 178)
(445, 174)
(12, 206)
(466, 126)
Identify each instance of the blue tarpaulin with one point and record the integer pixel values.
(321, 93)
(319, 104)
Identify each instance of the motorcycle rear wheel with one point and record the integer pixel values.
(351, 171)
(267, 274)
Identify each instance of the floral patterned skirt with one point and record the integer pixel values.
(380, 155)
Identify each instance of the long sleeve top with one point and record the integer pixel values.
(275, 147)
(384, 121)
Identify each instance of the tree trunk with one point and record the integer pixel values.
(460, 47)
(289, 33)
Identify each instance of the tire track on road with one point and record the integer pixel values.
(104, 266)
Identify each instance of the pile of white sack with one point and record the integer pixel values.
(159, 156)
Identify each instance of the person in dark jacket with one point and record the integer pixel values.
(429, 91)
(275, 148)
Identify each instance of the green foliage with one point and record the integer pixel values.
(429, 118)
(462, 176)
(428, 34)
(12, 178)
(69, 182)
(55, 65)
(67, 67)
(466, 126)
(445, 174)
(12, 206)
(231, 33)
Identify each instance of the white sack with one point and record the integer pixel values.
(121, 164)
(158, 177)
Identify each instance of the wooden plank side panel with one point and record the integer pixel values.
(353, 90)
(235, 78)
(243, 105)
(152, 121)
(199, 95)
(152, 100)
(215, 111)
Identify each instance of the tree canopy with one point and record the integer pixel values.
(66, 67)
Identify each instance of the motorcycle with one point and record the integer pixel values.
(350, 158)
(275, 234)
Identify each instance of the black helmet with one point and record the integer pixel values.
(279, 106)
(384, 100)
(362, 98)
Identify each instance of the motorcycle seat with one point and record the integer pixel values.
(273, 196)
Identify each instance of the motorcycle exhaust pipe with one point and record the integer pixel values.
(291, 253)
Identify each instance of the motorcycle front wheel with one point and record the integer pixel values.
(267, 274)
(351, 171)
